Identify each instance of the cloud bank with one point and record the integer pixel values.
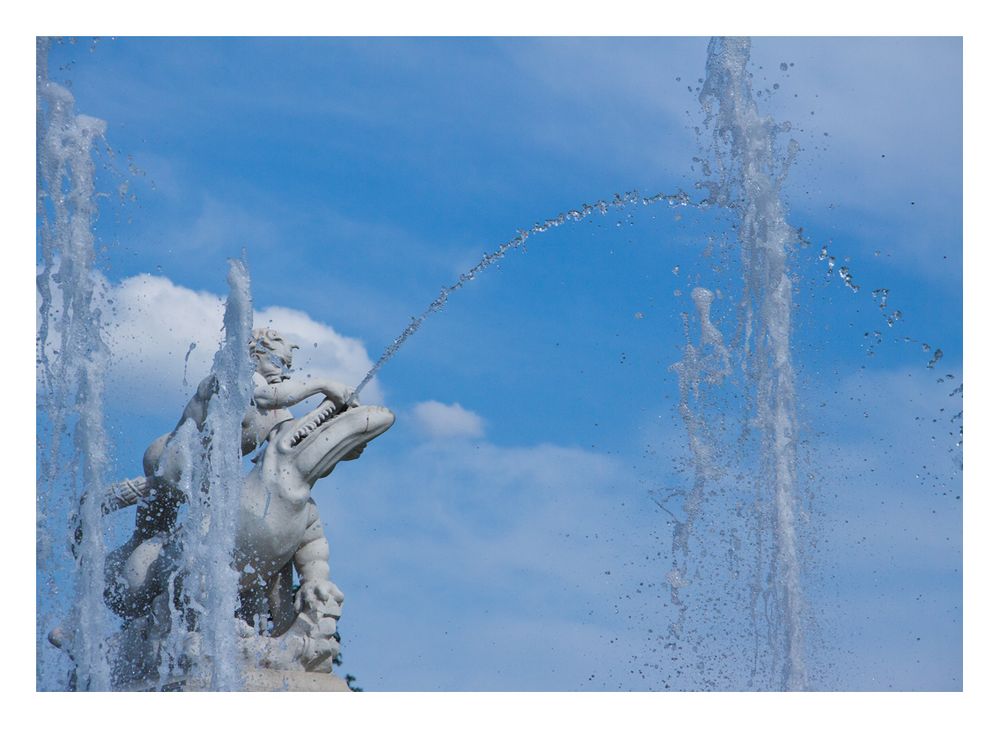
(163, 336)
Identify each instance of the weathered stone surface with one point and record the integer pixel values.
(263, 679)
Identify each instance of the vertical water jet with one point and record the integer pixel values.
(750, 173)
(212, 481)
(72, 358)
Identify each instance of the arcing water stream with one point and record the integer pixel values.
(488, 259)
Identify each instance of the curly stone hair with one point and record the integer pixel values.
(265, 339)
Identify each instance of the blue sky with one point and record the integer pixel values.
(500, 536)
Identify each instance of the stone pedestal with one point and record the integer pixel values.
(262, 679)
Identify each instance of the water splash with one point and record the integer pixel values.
(72, 358)
(935, 358)
(187, 356)
(751, 173)
(881, 297)
(586, 210)
(707, 363)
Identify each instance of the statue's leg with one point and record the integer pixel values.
(163, 467)
(136, 573)
(281, 600)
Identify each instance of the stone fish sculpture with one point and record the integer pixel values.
(278, 529)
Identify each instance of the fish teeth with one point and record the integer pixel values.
(325, 414)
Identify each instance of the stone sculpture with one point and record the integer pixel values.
(278, 529)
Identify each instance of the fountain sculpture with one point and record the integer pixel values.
(204, 604)
(280, 628)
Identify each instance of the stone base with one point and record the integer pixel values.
(262, 679)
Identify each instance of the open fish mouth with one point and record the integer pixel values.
(310, 422)
(322, 438)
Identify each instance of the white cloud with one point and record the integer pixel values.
(151, 326)
(437, 420)
(152, 323)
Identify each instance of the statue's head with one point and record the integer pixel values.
(272, 354)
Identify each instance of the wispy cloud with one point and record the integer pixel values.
(437, 420)
(456, 550)
(221, 225)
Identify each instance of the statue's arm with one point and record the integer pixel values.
(197, 407)
(289, 392)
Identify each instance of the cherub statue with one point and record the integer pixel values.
(278, 527)
(156, 494)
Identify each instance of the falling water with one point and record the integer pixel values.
(751, 171)
(72, 357)
(702, 364)
(211, 481)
